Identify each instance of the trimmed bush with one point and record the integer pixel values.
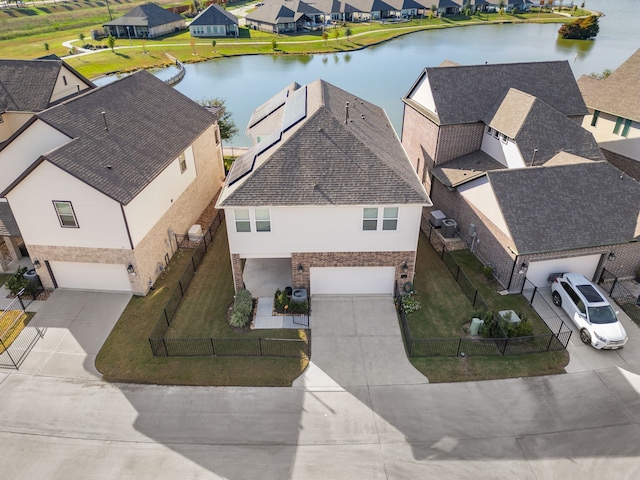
(410, 304)
(17, 282)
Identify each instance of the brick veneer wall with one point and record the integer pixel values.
(457, 140)
(302, 279)
(236, 268)
(493, 245)
(159, 242)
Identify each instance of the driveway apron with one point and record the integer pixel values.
(356, 341)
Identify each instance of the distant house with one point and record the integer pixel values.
(280, 16)
(529, 188)
(26, 88)
(99, 184)
(145, 21)
(328, 188)
(614, 114)
(215, 21)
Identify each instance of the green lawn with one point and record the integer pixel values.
(445, 308)
(4, 277)
(126, 355)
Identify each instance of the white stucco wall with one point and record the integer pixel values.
(144, 211)
(480, 194)
(100, 220)
(73, 85)
(323, 229)
(507, 153)
(422, 94)
(16, 157)
(603, 132)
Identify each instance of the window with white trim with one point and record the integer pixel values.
(66, 215)
(243, 220)
(390, 218)
(489, 130)
(370, 219)
(183, 162)
(263, 220)
(504, 138)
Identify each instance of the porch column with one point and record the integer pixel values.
(12, 247)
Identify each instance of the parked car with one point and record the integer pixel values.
(592, 314)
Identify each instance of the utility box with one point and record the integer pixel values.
(436, 217)
(195, 233)
(449, 226)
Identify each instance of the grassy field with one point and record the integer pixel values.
(34, 31)
(126, 355)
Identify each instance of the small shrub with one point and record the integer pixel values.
(280, 300)
(17, 282)
(410, 304)
(274, 44)
(488, 271)
(298, 307)
(242, 308)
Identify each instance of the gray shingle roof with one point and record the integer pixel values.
(552, 82)
(566, 207)
(273, 14)
(27, 85)
(324, 160)
(215, 15)
(147, 15)
(534, 125)
(8, 225)
(150, 124)
(618, 93)
(466, 168)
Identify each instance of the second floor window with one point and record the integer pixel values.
(66, 215)
(183, 162)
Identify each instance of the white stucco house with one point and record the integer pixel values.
(329, 188)
(26, 88)
(99, 184)
(529, 188)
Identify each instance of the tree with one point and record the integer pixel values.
(581, 29)
(46, 47)
(213, 44)
(336, 34)
(81, 37)
(274, 44)
(111, 41)
(325, 36)
(434, 10)
(605, 73)
(227, 126)
(348, 32)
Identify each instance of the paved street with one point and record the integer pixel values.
(360, 424)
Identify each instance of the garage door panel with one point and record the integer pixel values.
(539, 271)
(91, 276)
(352, 280)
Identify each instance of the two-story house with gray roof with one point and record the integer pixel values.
(26, 88)
(328, 190)
(529, 188)
(614, 114)
(100, 183)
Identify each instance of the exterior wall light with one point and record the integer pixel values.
(131, 271)
(404, 266)
(523, 268)
(36, 263)
(300, 267)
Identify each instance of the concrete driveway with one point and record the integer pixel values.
(356, 341)
(369, 422)
(76, 324)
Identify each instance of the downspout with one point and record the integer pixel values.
(513, 269)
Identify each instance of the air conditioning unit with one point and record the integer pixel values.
(436, 217)
(195, 233)
(449, 226)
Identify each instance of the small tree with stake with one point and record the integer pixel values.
(227, 126)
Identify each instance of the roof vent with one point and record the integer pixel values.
(104, 119)
(109, 167)
(346, 110)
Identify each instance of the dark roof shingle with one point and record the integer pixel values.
(552, 82)
(147, 15)
(149, 125)
(8, 225)
(215, 15)
(566, 207)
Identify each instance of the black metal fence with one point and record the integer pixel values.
(545, 310)
(454, 347)
(202, 347)
(14, 348)
(627, 301)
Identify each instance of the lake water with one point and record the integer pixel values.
(384, 73)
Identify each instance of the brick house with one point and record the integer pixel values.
(99, 184)
(529, 188)
(329, 187)
(26, 88)
(614, 114)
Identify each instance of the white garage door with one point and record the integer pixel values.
(539, 271)
(91, 276)
(352, 280)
